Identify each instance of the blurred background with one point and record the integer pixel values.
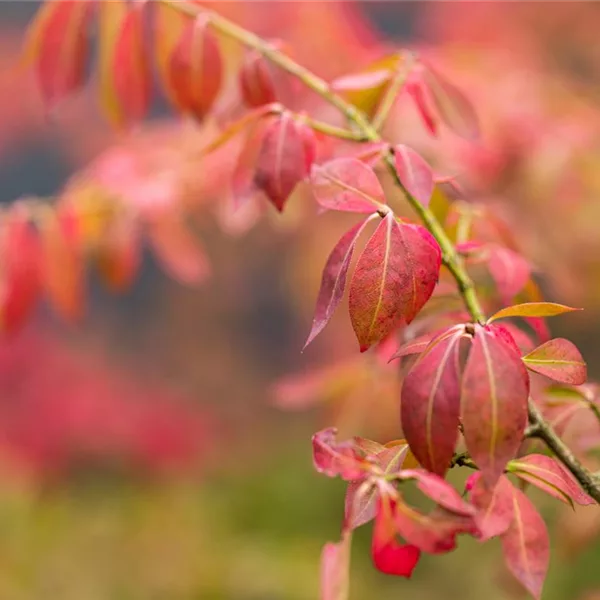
(159, 447)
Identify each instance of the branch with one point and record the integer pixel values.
(450, 258)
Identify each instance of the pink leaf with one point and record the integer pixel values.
(546, 473)
(333, 283)
(394, 277)
(430, 405)
(510, 271)
(389, 556)
(440, 491)
(421, 97)
(525, 544)
(414, 173)
(532, 309)
(494, 502)
(495, 390)
(283, 160)
(558, 359)
(334, 458)
(347, 184)
(335, 569)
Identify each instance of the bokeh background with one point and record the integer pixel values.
(159, 448)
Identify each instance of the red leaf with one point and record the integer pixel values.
(421, 343)
(532, 309)
(334, 279)
(178, 251)
(430, 404)
(337, 458)
(495, 504)
(335, 569)
(256, 80)
(421, 97)
(389, 556)
(58, 46)
(20, 269)
(394, 278)
(434, 533)
(558, 359)
(550, 476)
(525, 544)
(495, 390)
(347, 184)
(440, 491)
(283, 160)
(414, 173)
(452, 105)
(510, 271)
(125, 79)
(196, 69)
(62, 264)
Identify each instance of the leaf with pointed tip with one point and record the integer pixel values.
(389, 556)
(57, 46)
(20, 257)
(333, 458)
(495, 389)
(509, 270)
(256, 80)
(495, 504)
(347, 184)
(440, 491)
(195, 69)
(394, 277)
(334, 279)
(335, 569)
(525, 544)
(283, 159)
(546, 473)
(558, 359)
(421, 96)
(422, 342)
(414, 173)
(125, 78)
(178, 251)
(430, 404)
(532, 309)
(453, 107)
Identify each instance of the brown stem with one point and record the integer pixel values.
(450, 258)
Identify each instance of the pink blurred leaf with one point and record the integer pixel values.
(394, 277)
(495, 390)
(509, 270)
(334, 458)
(532, 309)
(525, 544)
(256, 80)
(495, 504)
(546, 473)
(347, 184)
(430, 404)
(335, 569)
(422, 99)
(558, 359)
(333, 283)
(414, 173)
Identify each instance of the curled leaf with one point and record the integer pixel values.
(558, 359)
(347, 184)
(335, 458)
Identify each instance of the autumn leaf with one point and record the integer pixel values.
(333, 282)
(335, 569)
(414, 173)
(558, 359)
(347, 184)
(125, 79)
(509, 270)
(525, 544)
(57, 47)
(420, 95)
(195, 69)
(256, 80)
(430, 404)
(547, 474)
(393, 279)
(495, 390)
(532, 309)
(334, 458)
(284, 159)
